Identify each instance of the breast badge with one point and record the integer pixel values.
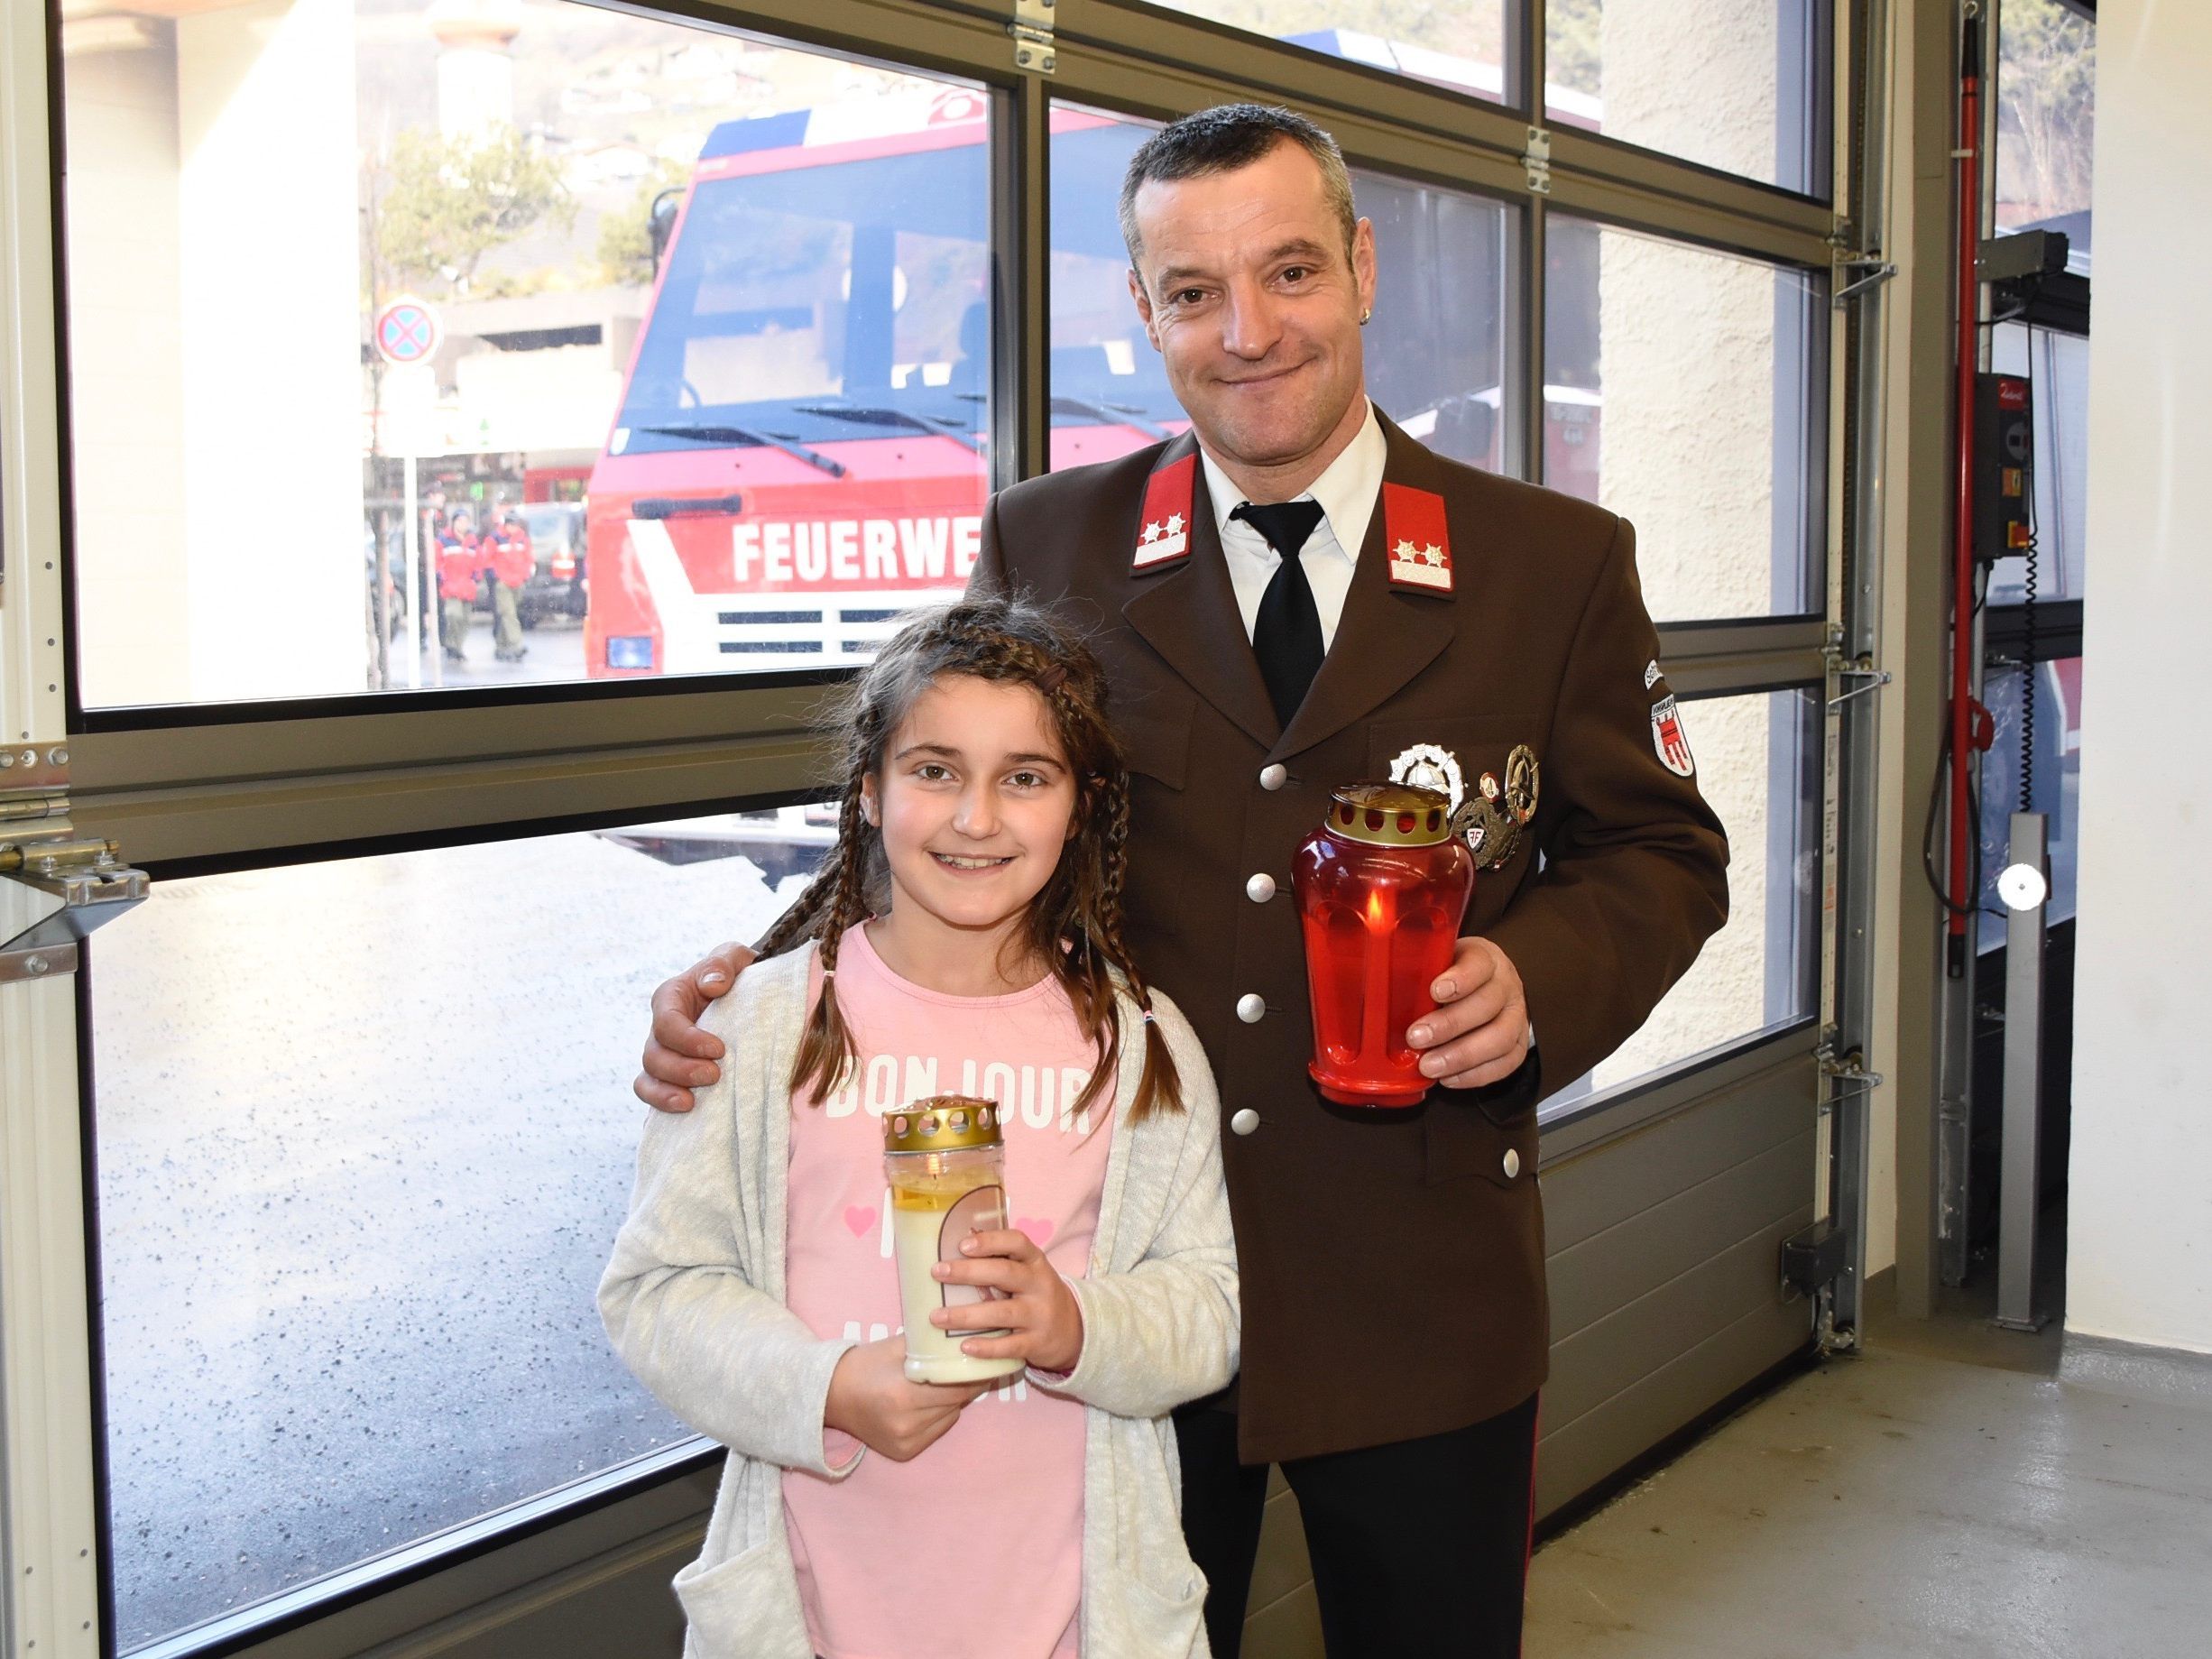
(1490, 818)
(1428, 766)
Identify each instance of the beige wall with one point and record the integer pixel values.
(2139, 1247)
(213, 348)
(127, 361)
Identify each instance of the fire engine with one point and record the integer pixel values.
(799, 455)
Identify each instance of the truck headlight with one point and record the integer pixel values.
(630, 650)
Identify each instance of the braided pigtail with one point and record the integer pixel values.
(1065, 927)
(1160, 1088)
(825, 1048)
(803, 920)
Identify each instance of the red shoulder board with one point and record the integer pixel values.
(1416, 538)
(1163, 535)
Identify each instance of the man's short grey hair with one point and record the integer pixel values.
(1219, 141)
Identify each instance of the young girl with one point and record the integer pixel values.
(967, 939)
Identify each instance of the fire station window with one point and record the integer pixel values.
(312, 375)
(1737, 84)
(1461, 46)
(1683, 390)
(357, 1183)
(1759, 762)
(1434, 350)
(2046, 93)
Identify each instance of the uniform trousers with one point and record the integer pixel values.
(1418, 1547)
(456, 616)
(506, 621)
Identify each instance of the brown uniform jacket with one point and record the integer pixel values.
(1392, 1263)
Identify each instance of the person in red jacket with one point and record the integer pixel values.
(512, 561)
(460, 558)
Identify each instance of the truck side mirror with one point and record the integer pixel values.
(660, 221)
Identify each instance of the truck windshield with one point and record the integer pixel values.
(816, 303)
(813, 304)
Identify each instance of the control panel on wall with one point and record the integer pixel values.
(2004, 466)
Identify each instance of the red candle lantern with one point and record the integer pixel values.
(1381, 886)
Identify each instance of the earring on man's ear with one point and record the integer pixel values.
(1365, 313)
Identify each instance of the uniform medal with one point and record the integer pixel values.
(1490, 817)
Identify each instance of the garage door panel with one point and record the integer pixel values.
(1598, 1189)
(1578, 1455)
(1643, 1252)
(1615, 1353)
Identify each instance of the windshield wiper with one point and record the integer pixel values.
(935, 425)
(723, 433)
(1109, 414)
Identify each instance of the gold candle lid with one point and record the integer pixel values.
(941, 1123)
(1390, 814)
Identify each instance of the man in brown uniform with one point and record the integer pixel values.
(1292, 596)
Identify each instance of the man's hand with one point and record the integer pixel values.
(1479, 1033)
(870, 1399)
(1039, 1311)
(679, 1056)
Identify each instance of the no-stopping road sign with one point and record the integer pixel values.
(406, 331)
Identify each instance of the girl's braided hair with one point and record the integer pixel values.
(1075, 925)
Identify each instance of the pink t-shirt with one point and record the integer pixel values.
(976, 1545)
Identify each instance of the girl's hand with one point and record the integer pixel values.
(870, 1399)
(1039, 1311)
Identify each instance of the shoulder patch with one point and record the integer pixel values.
(1669, 740)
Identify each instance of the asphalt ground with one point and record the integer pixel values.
(365, 1134)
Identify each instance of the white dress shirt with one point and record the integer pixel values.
(1347, 490)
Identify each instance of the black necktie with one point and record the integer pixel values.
(1286, 633)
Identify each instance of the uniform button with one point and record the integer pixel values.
(1274, 777)
(1261, 887)
(1244, 1123)
(1513, 1163)
(1251, 1007)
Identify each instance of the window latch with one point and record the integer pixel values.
(1032, 32)
(76, 885)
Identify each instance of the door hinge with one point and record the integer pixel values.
(1844, 257)
(39, 850)
(1847, 1068)
(1877, 271)
(1536, 157)
(1842, 667)
(1032, 32)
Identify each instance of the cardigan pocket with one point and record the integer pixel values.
(734, 1606)
(1154, 1624)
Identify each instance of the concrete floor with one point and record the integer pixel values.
(1943, 1493)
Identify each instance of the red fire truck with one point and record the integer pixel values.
(799, 454)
